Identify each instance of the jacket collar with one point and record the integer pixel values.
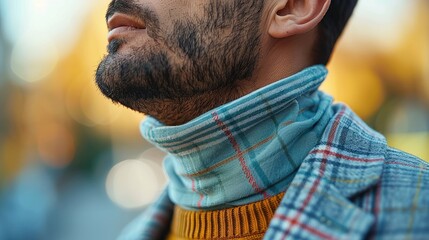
(348, 161)
(352, 151)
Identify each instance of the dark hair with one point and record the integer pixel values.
(331, 27)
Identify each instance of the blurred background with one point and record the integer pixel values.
(73, 165)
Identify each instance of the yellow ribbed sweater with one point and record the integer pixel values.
(247, 222)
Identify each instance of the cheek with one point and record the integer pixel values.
(177, 9)
(171, 11)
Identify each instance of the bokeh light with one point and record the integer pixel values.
(133, 183)
(379, 25)
(31, 61)
(55, 144)
(57, 20)
(363, 90)
(417, 143)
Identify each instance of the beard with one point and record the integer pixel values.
(197, 57)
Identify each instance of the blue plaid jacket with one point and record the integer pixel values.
(350, 186)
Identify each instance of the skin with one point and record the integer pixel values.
(194, 56)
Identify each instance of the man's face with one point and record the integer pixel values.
(188, 47)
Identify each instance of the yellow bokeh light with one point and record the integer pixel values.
(356, 85)
(55, 144)
(415, 143)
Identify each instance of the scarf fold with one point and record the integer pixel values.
(246, 150)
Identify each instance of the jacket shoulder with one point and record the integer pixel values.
(400, 201)
(406, 172)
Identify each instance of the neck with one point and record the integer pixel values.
(281, 58)
(226, 156)
(174, 112)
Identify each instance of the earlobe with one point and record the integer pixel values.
(292, 17)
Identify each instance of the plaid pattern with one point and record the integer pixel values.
(154, 223)
(350, 186)
(240, 152)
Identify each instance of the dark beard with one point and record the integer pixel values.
(216, 52)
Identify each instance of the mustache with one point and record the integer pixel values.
(129, 7)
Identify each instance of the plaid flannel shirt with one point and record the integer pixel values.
(350, 186)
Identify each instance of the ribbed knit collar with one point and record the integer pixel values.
(246, 150)
(249, 221)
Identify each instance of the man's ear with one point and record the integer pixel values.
(292, 17)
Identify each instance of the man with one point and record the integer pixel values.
(254, 149)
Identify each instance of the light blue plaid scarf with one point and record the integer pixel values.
(246, 150)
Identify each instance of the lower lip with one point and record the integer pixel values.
(115, 33)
